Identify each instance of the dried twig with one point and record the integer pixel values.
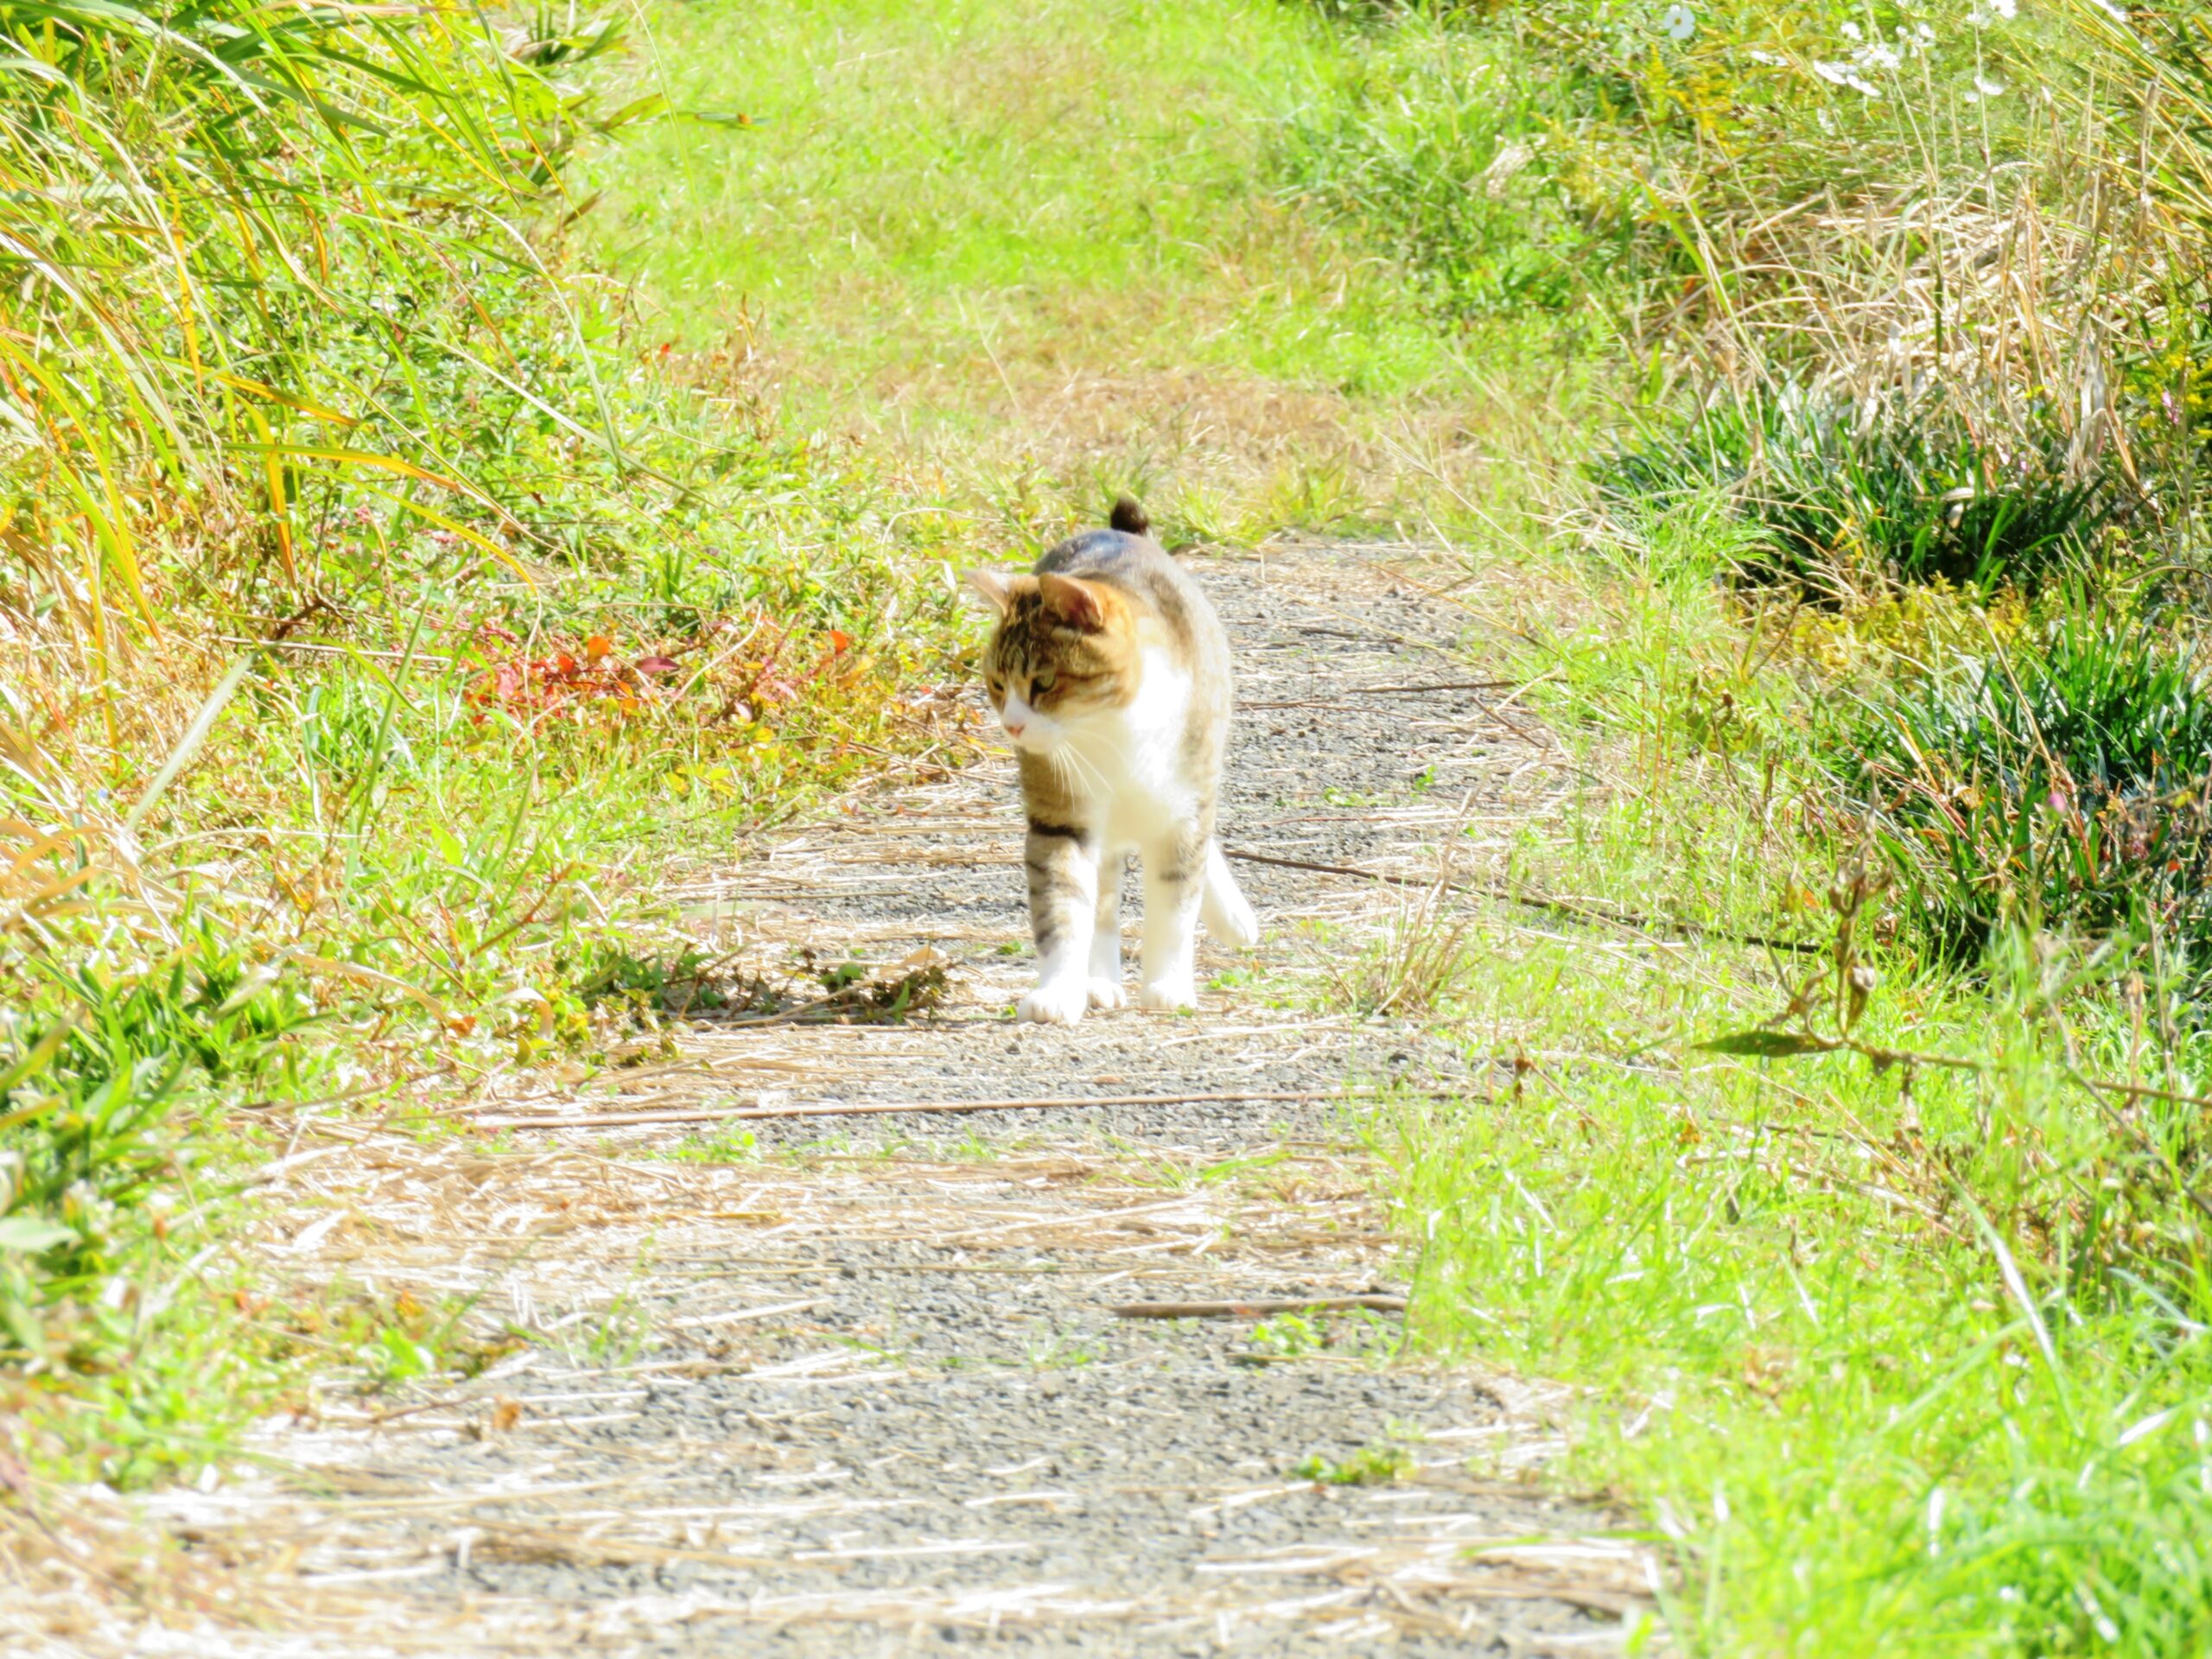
(894, 1108)
(1540, 901)
(1258, 1310)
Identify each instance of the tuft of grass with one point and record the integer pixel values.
(1847, 506)
(1432, 138)
(2060, 780)
(1371, 1466)
(1420, 962)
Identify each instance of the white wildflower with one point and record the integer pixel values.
(1984, 88)
(1851, 31)
(1678, 22)
(1843, 74)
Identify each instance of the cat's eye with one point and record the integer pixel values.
(1042, 683)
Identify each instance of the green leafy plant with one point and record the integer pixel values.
(2063, 779)
(1371, 1466)
(1846, 503)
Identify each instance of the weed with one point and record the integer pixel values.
(1418, 965)
(734, 1144)
(2060, 779)
(1293, 1336)
(1371, 1466)
(1288, 1334)
(620, 1334)
(1846, 505)
(1060, 1350)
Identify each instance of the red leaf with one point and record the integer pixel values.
(839, 639)
(658, 665)
(597, 646)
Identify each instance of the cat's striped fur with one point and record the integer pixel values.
(1110, 673)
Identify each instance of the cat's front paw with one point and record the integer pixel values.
(1061, 1003)
(1168, 995)
(1107, 994)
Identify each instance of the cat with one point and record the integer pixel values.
(1109, 673)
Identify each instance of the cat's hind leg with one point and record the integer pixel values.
(1062, 867)
(1174, 873)
(1105, 989)
(1228, 913)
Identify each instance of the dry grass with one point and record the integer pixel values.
(560, 1242)
(1421, 962)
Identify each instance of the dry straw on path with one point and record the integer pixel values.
(949, 1326)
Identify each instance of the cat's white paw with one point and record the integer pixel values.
(1228, 913)
(1107, 993)
(1239, 928)
(1167, 995)
(1060, 1003)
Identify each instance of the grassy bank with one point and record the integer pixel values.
(378, 612)
(1878, 1236)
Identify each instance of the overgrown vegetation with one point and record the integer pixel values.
(383, 596)
(1891, 1264)
(373, 598)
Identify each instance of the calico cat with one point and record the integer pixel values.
(1110, 672)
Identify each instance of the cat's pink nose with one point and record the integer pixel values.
(1015, 728)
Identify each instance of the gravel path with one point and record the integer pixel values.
(859, 1385)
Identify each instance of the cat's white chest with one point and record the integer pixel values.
(1133, 757)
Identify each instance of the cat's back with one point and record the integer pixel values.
(1129, 560)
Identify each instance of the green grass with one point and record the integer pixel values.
(1046, 253)
(1812, 1368)
(1804, 1291)
(933, 195)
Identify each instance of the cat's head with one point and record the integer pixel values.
(1064, 651)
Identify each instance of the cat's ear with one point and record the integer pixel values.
(994, 587)
(1075, 602)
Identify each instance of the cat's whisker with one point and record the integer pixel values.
(1078, 769)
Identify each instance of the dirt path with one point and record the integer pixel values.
(863, 1387)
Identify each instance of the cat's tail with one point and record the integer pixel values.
(1228, 913)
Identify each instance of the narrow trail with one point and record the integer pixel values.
(865, 1390)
